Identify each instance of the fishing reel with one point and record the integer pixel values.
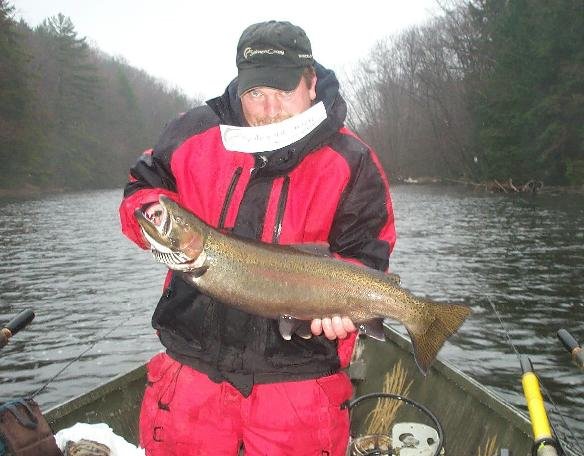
(405, 438)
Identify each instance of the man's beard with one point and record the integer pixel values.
(258, 122)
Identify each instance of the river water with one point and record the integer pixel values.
(64, 257)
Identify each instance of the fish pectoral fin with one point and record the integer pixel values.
(289, 325)
(373, 328)
(198, 272)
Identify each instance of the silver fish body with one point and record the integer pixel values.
(291, 285)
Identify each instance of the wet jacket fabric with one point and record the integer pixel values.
(327, 187)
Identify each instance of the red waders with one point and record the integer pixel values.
(184, 413)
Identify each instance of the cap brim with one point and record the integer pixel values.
(281, 78)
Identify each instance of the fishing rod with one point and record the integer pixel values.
(24, 318)
(572, 347)
(546, 442)
(19, 322)
(86, 350)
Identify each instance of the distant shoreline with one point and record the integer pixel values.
(31, 191)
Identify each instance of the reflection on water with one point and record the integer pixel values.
(64, 257)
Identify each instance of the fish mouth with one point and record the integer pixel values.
(155, 234)
(158, 236)
(170, 257)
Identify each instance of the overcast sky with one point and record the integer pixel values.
(191, 44)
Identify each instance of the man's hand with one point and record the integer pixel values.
(334, 328)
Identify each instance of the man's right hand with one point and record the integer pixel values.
(336, 327)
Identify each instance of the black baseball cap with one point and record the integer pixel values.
(272, 54)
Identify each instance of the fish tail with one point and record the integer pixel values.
(428, 335)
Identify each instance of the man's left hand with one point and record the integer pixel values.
(334, 328)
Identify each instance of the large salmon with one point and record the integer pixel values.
(293, 285)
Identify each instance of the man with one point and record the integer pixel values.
(293, 174)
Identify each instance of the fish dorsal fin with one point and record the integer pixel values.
(394, 278)
(373, 328)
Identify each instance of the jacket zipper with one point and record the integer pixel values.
(230, 190)
(281, 208)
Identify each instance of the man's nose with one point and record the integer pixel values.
(273, 106)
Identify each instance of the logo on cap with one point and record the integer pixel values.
(248, 53)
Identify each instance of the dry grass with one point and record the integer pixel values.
(383, 415)
(490, 447)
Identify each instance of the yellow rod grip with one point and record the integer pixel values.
(539, 420)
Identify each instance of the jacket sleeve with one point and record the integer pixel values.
(152, 175)
(363, 229)
(149, 178)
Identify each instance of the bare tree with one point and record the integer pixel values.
(409, 98)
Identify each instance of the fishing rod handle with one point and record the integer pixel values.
(15, 325)
(572, 346)
(535, 405)
(20, 321)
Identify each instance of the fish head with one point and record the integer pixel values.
(177, 232)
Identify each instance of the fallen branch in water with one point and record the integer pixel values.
(531, 186)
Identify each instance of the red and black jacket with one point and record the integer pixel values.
(328, 188)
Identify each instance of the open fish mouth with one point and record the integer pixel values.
(158, 235)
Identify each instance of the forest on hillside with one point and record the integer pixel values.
(486, 91)
(72, 117)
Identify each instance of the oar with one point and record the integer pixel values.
(15, 325)
(572, 346)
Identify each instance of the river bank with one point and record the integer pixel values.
(494, 186)
(28, 191)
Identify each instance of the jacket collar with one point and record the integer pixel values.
(228, 109)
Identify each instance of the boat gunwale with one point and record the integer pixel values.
(468, 384)
(451, 374)
(70, 406)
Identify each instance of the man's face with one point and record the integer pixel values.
(264, 105)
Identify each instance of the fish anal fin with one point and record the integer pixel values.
(373, 328)
(428, 336)
(303, 330)
(289, 325)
